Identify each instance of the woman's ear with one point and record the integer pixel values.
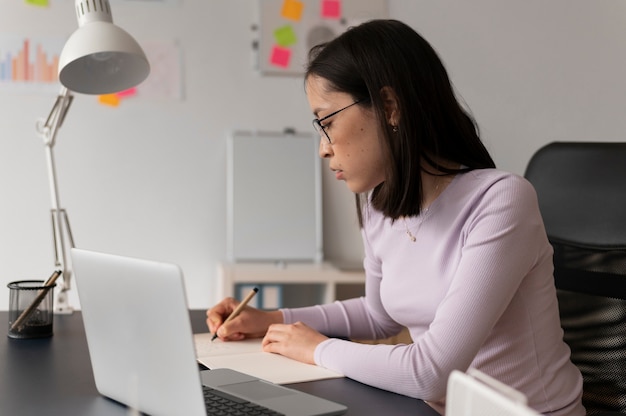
(390, 102)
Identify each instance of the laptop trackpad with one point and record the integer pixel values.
(256, 390)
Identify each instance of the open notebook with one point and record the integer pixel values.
(141, 345)
(248, 356)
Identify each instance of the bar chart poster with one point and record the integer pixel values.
(29, 64)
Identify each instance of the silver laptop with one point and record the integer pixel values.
(141, 344)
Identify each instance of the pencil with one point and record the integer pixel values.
(238, 309)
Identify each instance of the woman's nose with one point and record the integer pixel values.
(326, 150)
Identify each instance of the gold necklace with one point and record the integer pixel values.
(408, 232)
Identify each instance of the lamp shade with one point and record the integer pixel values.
(99, 57)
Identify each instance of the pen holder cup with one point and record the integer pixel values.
(30, 309)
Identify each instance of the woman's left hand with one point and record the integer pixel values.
(296, 341)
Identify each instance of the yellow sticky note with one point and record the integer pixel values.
(292, 9)
(109, 99)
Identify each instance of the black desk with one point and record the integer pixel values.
(53, 377)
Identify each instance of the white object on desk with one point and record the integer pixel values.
(98, 58)
(477, 394)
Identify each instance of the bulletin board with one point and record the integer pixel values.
(274, 193)
(289, 28)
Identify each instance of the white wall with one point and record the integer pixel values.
(532, 71)
(148, 179)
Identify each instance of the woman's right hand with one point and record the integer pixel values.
(250, 323)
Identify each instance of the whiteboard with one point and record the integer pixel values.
(274, 193)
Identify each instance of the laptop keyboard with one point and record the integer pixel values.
(219, 403)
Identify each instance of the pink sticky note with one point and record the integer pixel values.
(280, 56)
(331, 9)
(127, 93)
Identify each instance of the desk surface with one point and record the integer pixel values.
(53, 376)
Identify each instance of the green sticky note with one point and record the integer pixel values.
(41, 3)
(285, 36)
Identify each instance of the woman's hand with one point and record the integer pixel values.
(250, 323)
(296, 341)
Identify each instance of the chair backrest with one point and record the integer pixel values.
(581, 188)
(477, 394)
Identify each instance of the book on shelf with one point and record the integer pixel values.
(269, 296)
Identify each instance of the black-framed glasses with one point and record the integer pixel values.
(317, 123)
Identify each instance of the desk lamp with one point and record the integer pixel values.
(98, 58)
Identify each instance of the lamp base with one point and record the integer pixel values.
(61, 304)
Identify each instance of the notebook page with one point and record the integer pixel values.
(248, 357)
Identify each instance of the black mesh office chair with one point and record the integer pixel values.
(582, 198)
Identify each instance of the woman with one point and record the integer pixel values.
(455, 250)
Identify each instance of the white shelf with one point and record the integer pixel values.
(325, 274)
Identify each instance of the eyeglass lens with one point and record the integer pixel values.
(317, 123)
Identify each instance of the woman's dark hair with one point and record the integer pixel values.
(433, 126)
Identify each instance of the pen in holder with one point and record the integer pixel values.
(31, 307)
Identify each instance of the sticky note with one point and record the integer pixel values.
(41, 3)
(285, 36)
(127, 93)
(280, 56)
(331, 9)
(292, 9)
(109, 99)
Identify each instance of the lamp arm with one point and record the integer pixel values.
(48, 129)
(48, 132)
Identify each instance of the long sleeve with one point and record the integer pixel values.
(350, 319)
(474, 289)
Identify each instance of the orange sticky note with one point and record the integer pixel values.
(109, 99)
(280, 56)
(331, 9)
(292, 9)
